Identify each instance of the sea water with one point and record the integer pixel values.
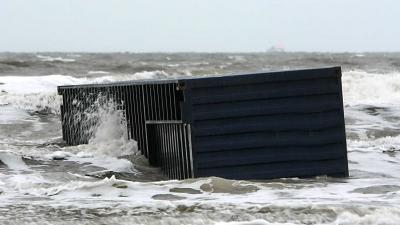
(43, 181)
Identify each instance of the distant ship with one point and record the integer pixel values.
(276, 48)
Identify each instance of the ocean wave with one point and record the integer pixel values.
(97, 72)
(12, 160)
(274, 202)
(46, 58)
(39, 93)
(360, 87)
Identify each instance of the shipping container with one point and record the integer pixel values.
(248, 126)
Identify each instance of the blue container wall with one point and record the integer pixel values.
(269, 125)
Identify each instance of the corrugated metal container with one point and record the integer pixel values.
(253, 126)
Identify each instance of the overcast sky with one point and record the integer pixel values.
(199, 25)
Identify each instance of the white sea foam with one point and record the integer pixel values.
(359, 55)
(239, 58)
(46, 58)
(108, 140)
(12, 160)
(360, 87)
(376, 217)
(274, 202)
(98, 72)
(376, 156)
(358, 217)
(278, 201)
(252, 222)
(86, 154)
(38, 93)
(59, 155)
(108, 133)
(10, 115)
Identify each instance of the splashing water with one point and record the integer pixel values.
(105, 126)
(107, 130)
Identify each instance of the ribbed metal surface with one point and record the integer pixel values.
(253, 126)
(272, 125)
(169, 145)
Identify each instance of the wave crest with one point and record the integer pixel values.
(360, 87)
(39, 93)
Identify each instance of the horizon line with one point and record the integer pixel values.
(199, 52)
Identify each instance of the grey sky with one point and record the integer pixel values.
(194, 25)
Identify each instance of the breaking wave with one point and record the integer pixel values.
(46, 58)
(39, 93)
(360, 87)
(106, 130)
(191, 201)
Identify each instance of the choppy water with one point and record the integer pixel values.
(38, 187)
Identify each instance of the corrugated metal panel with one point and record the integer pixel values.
(332, 167)
(169, 148)
(269, 125)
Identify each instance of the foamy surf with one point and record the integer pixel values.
(108, 143)
(39, 93)
(46, 58)
(221, 199)
(360, 87)
(105, 181)
(12, 160)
